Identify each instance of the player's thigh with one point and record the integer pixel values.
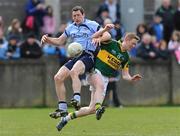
(88, 61)
(78, 67)
(96, 80)
(63, 73)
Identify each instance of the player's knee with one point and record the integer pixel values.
(74, 73)
(58, 78)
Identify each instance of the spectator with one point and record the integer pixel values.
(156, 28)
(154, 41)
(13, 50)
(112, 91)
(35, 11)
(117, 32)
(3, 46)
(49, 21)
(146, 50)
(174, 42)
(62, 56)
(166, 11)
(50, 50)
(103, 16)
(113, 9)
(174, 45)
(163, 51)
(15, 29)
(140, 30)
(177, 17)
(30, 48)
(120, 30)
(112, 31)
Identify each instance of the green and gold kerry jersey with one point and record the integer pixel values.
(110, 58)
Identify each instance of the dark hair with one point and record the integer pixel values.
(141, 25)
(30, 35)
(12, 37)
(76, 8)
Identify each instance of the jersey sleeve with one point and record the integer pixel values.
(67, 31)
(95, 26)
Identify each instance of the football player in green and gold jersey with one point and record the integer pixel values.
(112, 57)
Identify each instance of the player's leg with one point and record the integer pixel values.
(78, 69)
(100, 83)
(115, 99)
(59, 78)
(84, 111)
(84, 64)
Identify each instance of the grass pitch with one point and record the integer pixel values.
(151, 121)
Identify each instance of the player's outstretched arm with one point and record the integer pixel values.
(53, 41)
(103, 30)
(102, 35)
(105, 37)
(127, 76)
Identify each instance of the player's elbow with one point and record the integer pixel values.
(125, 77)
(106, 36)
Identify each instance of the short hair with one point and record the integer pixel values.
(177, 33)
(76, 8)
(131, 36)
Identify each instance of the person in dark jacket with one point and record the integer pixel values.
(30, 48)
(177, 17)
(163, 52)
(113, 8)
(13, 48)
(166, 12)
(146, 50)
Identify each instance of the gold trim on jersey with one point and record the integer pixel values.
(109, 59)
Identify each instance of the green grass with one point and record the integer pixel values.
(136, 121)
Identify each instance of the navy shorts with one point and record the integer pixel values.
(86, 57)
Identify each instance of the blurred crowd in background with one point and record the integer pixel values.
(159, 39)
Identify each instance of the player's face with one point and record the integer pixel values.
(77, 17)
(131, 44)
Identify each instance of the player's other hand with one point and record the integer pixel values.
(96, 41)
(44, 39)
(136, 77)
(109, 27)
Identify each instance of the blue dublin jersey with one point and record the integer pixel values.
(82, 33)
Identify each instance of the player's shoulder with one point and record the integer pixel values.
(115, 42)
(71, 25)
(91, 22)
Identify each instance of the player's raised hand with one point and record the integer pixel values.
(109, 27)
(96, 41)
(44, 39)
(136, 77)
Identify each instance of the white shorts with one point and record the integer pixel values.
(105, 81)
